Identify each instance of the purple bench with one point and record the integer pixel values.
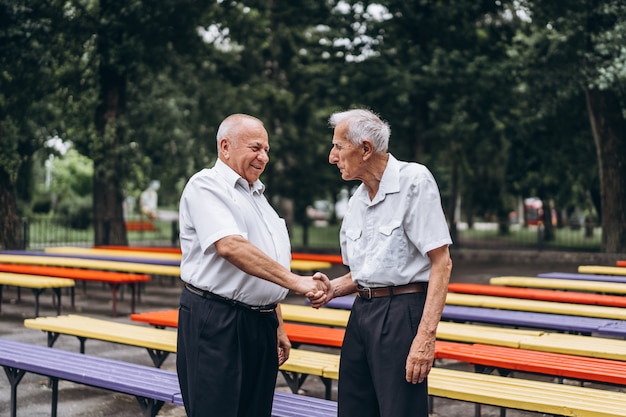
(584, 277)
(152, 387)
(571, 324)
(137, 260)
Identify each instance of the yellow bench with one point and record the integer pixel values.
(589, 346)
(73, 250)
(538, 306)
(37, 284)
(160, 342)
(544, 397)
(91, 264)
(307, 314)
(296, 264)
(561, 284)
(602, 270)
(523, 394)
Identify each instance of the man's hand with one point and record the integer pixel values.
(419, 362)
(318, 299)
(284, 346)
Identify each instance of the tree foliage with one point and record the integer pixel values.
(501, 100)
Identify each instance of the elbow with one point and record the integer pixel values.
(227, 247)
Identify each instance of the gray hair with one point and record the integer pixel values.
(231, 127)
(363, 124)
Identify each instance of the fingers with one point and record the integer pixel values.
(323, 292)
(416, 373)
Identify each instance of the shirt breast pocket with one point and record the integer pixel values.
(356, 251)
(392, 244)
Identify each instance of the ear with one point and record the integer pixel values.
(225, 147)
(367, 149)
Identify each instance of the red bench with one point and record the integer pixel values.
(297, 333)
(539, 294)
(620, 263)
(114, 279)
(140, 226)
(489, 357)
(140, 248)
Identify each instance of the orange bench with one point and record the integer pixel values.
(333, 259)
(484, 357)
(114, 279)
(489, 357)
(539, 294)
(140, 226)
(620, 263)
(140, 248)
(297, 333)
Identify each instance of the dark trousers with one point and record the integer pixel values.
(373, 358)
(226, 358)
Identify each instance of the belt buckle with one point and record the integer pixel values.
(366, 293)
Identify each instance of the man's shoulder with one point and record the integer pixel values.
(413, 171)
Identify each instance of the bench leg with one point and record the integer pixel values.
(114, 295)
(328, 384)
(15, 376)
(158, 356)
(57, 293)
(294, 380)
(54, 382)
(36, 293)
(149, 407)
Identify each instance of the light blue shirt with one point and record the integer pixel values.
(385, 241)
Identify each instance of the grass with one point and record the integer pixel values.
(48, 232)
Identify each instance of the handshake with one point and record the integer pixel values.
(320, 289)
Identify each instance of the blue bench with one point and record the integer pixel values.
(583, 277)
(152, 387)
(561, 322)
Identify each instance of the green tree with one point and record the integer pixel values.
(28, 62)
(576, 52)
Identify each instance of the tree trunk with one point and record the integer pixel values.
(109, 226)
(10, 231)
(609, 132)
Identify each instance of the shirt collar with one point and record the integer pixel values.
(389, 183)
(232, 178)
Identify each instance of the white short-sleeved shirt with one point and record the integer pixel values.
(386, 241)
(217, 203)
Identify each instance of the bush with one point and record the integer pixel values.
(76, 212)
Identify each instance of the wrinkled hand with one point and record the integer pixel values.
(284, 346)
(318, 299)
(420, 360)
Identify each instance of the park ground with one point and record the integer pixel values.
(34, 395)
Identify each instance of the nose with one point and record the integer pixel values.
(263, 156)
(333, 158)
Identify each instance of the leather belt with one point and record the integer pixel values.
(268, 308)
(369, 293)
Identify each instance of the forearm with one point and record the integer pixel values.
(437, 292)
(250, 259)
(343, 285)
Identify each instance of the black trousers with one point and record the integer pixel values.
(226, 358)
(372, 371)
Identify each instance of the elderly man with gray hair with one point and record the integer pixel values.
(394, 239)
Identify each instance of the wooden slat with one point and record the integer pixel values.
(538, 294)
(561, 284)
(34, 281)
(603, 270)
(506, 303)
